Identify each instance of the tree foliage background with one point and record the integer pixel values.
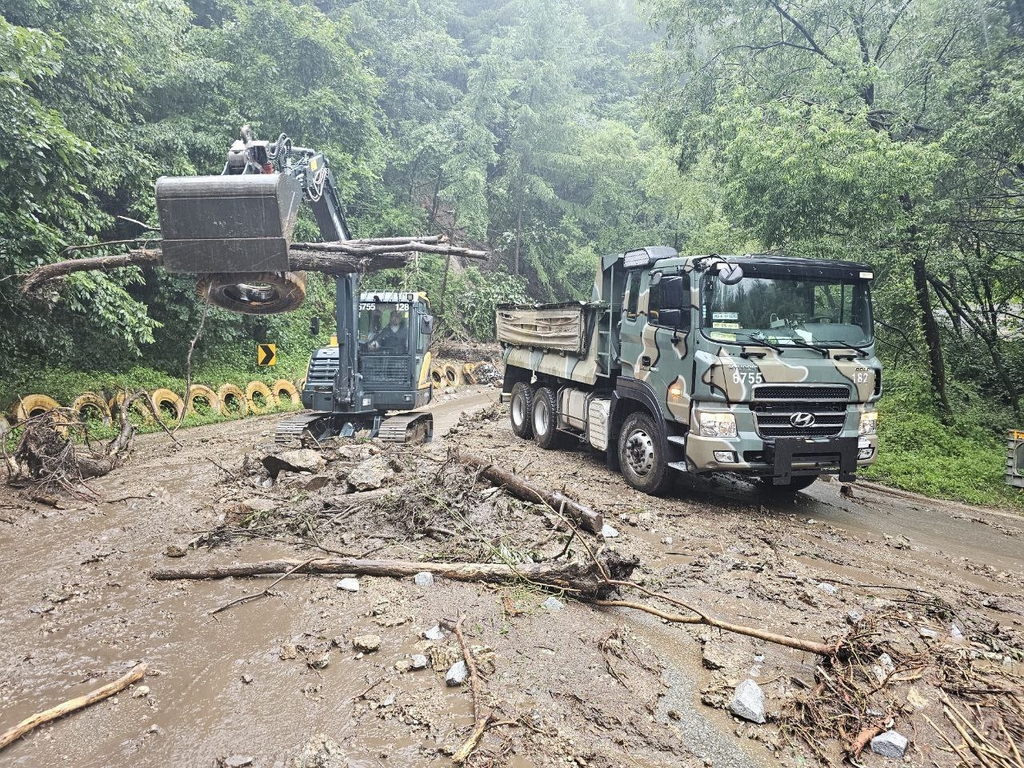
(549, 131)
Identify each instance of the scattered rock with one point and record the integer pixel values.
(319, 662)
(828, 589)
(403, 665)
(299, 460)
(371, 474)
(927, 634)
(457, 674)
(236, 761)
(884, 667)
(889, 744)
(419, 661)
(320, 752)
(366, 643)
(247, 679)
(173, 550)
(424, 579)
(435, 633)
(956, 634)
(140, 692)
(318, 483)
(349, 584)
(714, 657)
(288, 652)
(608, 532)
(668, 541)
(748, 702)
(552, 604)
(853, 618)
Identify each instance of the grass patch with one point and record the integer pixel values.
(962, 461)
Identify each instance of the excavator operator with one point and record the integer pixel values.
(392, 337)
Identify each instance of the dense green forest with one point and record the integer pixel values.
(884, 131)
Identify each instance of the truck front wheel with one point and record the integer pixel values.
(544, 416)
(641, 456)
(519, 410)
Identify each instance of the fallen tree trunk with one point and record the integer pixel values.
(585, 579)
(580, 514)
(330, 258)
(71, 705)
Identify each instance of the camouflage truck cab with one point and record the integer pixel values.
(761, 365)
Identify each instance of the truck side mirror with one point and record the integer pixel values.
(427, 324)
(314, 326)
(730, 274)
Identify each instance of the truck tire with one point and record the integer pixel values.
(199, 393)
(90, 401)
(641, 456)
(256, 293)
(767, 486)
(282, 388)
(255, 388)
(544, 418)
(163, 401)
(519, 410)
(232, 400)
(33, 405)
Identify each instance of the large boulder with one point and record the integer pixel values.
(299, 460)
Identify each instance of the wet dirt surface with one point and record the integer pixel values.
(578, 685)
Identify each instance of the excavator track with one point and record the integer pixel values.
(414, 427)
(291, 429)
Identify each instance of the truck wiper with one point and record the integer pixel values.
(759, 338)
(862, 351)
(798, 342)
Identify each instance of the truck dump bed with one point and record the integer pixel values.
(556, 327)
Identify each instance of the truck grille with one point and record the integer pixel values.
(801, 392)
(777, 419)
(386, 370)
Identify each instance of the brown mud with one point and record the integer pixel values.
(571, 686)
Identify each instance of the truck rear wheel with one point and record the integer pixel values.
(519, 410)
(641, 456)
(544, 418)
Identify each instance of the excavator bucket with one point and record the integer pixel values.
(232, 223)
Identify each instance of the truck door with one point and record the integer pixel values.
(637, 358)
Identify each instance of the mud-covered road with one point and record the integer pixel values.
(576, 685)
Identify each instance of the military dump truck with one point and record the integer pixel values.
(758, 365)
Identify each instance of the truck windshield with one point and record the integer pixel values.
(787, 311)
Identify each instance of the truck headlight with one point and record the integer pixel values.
(717, 425)
(868, 422)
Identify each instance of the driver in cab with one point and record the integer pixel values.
(392, 337)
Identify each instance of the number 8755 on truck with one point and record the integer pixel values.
(758, 365)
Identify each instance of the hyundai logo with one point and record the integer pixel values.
(802, 420)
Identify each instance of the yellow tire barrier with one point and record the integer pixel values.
(467, 373)
(163, 400)
(33, 405)
(202, 392)
(283, 388)
(452, 374)
(437, 376)
(232, 400)
(141, 409)
(91, 402)
(259, 388)
(5, 427)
